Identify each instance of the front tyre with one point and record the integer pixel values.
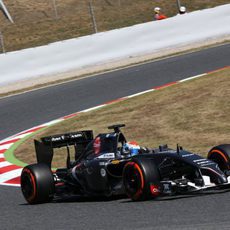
(141, 179)
(221, 155)
(37, 183)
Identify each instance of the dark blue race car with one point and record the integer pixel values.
(108, 165)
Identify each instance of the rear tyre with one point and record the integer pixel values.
(37, 183)
(141, 179)
(221, 155)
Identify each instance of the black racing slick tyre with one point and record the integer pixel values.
(37, 183)
(221, 155)
(141, 179)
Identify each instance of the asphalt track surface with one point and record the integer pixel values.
(17, 113)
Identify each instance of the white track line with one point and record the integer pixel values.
(138, 94)
(6, 146)
(190, 78)
(93, 108)
(10, 175)
(53, 122)
(22, 135)
(4, 164)
(8, 184)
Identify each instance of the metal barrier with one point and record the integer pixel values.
(41, 22)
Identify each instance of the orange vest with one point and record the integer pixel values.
(160, 16)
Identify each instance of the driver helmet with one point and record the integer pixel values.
(130, 148)
(182, 9)
(157, 10)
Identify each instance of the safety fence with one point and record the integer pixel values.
(39, 22)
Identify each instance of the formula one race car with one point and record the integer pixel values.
(108, 165)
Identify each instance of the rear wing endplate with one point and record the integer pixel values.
(44, 148)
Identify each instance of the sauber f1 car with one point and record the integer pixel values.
(108, 165)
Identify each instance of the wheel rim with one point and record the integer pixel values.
(219, 157)
(133, 180)
(28, 185)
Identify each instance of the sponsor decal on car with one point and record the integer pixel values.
(103, 172)
(107, 156)
(167, 187)
(53, 139)
(76, 135)
(115, 162)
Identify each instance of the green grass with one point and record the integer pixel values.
(36, 25)
(194, 114)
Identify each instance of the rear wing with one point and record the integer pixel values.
(44, 147)
(67, 139)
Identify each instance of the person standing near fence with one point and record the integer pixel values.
(158, 15)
